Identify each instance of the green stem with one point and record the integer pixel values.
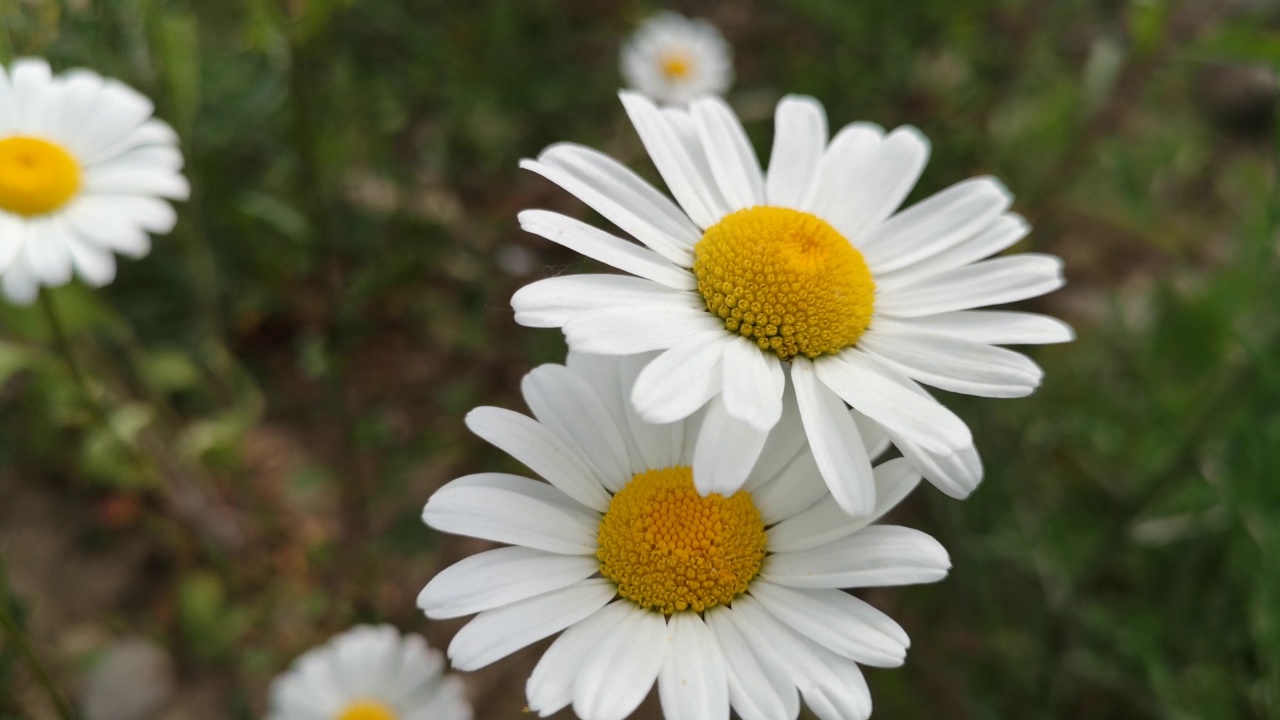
(18, 640)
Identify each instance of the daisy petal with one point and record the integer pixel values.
(495, 634)
(637, 329)
(848, 150)
(48, 250)
(835, 440)
(880, 181)
(797, 487)
(837, 621)
(994, 327)
(550, 686)
(617, 673)
(876, 556)
(786, 441)
(693, 683)
(511, 509)
(990, 282)
(733, 161)
(500, 577)
(878, 392)
(682, 379)
(961, 366)
(758, 689)
(674, 162)
(753, 384)
(555, 301)
(799, 137)
(20, 283)
(622, 197)
(95, 266)
(1003, 233)
(955, 473)
(935, 224)
(825, 521)
(569, 407)
(542, 451)
(726, 450)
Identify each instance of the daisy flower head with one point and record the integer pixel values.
(809, 272)
(673, 59)
(369, 673)
(85, 172)
(725, 600)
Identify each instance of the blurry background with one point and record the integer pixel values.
(285, 376)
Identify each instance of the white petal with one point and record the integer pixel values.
(95, 266)
(834, 440)
(961, 366)
(955, 473)
(990, 282)
(660, 445)
(550, 686)
(1003, 232)
(511, 509)
(48, 250)
(935, 224)
(876, 556)
(995, 327)
(733, 161)
(786, 441)
(555, 301)
(693, 683)
(609, 249)
(570, 408)
(20, 283)
(678, 168)
(501, 577)
(836, 171)
(120, 111)
(104, 180)
(630, 330)
(876, 391)
(825, 520)
(606, 376)
(753, 384)
(542, 451)
(618, 672)
(877, 184)
(797, 487)
(758, 689)
(30, 81)
(799, 137)
(874, 438)
(13, 235)
(622, 197)
(726, 450)
(838, 621)
(495, 634)
(108, 224)
(682, 379)
(151, 132)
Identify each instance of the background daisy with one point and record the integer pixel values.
(369, 673)
(723, 601)
(808, 272)
(85, 172)
(673, 59)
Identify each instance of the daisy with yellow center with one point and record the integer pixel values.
(85, 172)
(724, 600)
(810, 272)
(674, 60)
(369, 673)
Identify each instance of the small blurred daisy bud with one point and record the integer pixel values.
(673, 59)
(369, 673)
(85, 172)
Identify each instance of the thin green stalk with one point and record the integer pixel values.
(17, 639)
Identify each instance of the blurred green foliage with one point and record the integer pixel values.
(283, 379)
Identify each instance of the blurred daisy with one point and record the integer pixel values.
(85, 172)
(369, 673)
(673, 59)
(809, 271)
(723, 600)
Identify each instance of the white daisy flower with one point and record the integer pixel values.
(723, 600)
(369, 673)
(85, 172)
(807, 271)
(673, 59)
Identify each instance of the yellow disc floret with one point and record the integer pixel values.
(670, 549)
(367, 710)
(676, 65)
(36, 176)
(786, 279)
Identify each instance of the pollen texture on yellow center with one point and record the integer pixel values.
(36, 176)
(670, 549)
(676, 66)
(786, 279)
(367, 710)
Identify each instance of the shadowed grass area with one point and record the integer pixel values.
(285, 376)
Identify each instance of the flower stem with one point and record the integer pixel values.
(13, 636)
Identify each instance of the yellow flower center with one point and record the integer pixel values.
(36, 176)
(676, 65)
(786, 279)
(670, 549)
(367, 710)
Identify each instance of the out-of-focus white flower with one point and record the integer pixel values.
(674, 60)
(85, 172)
